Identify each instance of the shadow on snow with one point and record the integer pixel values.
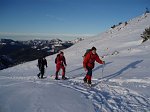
(131, 65)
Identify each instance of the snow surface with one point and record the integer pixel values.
(121, 85)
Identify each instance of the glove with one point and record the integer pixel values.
(85, 69)
(104, 62)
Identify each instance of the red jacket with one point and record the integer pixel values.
(60, 60)
(90, 59)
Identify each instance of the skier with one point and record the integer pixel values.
(89, 63)
(60, 62)
(42, 62)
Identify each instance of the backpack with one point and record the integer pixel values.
(87, 51)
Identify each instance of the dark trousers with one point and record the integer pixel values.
(41, 74)
(88, 76)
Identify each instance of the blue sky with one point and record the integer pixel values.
(66, 16)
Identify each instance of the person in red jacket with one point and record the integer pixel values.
(60, 64)
(89, 63)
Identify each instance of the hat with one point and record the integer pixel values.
(93, 48)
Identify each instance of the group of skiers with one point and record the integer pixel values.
(60, 62)
(88, 64)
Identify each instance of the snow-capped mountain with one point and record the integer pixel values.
(23, 51)
(77, 40)
(121, 85)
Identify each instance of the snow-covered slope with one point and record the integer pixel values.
(122, 85)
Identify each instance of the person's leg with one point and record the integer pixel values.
(89, 75)
(63, 72)
(85, 79)
(39, 73)
(42, 72)
(57, 71)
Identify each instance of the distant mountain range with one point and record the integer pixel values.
(16, 52)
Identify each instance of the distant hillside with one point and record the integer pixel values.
(23, 51)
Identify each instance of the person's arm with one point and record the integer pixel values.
(99, 60)
(38, 63)
(46, 62)
(64, 59)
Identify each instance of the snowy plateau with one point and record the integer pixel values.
(121, 85)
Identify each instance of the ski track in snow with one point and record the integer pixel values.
(105, 97)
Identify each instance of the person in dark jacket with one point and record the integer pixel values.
(60, 62)
(89, 63)
(42, 62)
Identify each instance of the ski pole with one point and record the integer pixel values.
(100, 81)
(103, 70)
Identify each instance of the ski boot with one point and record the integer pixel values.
(64, 78)
(38, 75)
(56, 78)
(89, 83)
(85, 80)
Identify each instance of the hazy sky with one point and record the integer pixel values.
(46, 17)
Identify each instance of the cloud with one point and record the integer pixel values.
(47, 36)
(42, 34)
